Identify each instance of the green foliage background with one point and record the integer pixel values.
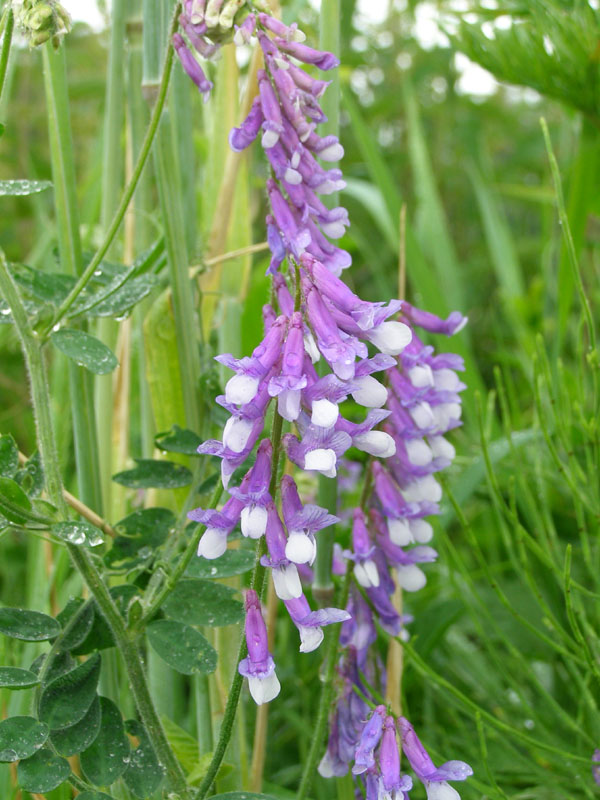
(502, 669)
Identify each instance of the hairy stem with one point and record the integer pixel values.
(320, 727)
(257, 583)
(80, 557)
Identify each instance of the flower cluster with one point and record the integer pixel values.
(377, 761)
(369, 352)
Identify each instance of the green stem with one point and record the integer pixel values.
(318, 734)
(6, 42)
(329, 39)
(82, 560)
(39, 387)
(127, 194)
(69, 242)
(566, 228)
(257, 583)
(128, 649)
(63, 167)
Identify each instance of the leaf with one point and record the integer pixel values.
(100, 636)
(14, 503)
(85, 350)
(45, 287)
(22, 187)
(141, 533)
(9, 456)
(80, 532)
(21, 737)
(91, 795)
(182, 647)
(31, 476)
(196, 776)
(178, 440)
(107, 758)
(30, 626)
(143, 773)
(153, 474)
(80, 736)
(43, 772)
(183, 744)
(198, 602)
(60, 663)
(81, 627)
(16, 678)
(123, 300)
(67, 698)
(232, 562)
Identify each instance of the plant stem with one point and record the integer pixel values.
(329, 39)
(39, 387)
(326, 696)
(128, 649)
(81, 508)
(82, 560)
(127, 194)
(71, 257)
(257, 583)
(6, 42)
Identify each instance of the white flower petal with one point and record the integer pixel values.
(400, 533)
(236, 433)
(418, 452)
(411, 578)
(376, 443)
(441, 448)
(310, 638)
(241, 389)
(213, 543)
(390, 337)
(324, 413)
(287, 582)
(263, 690)
(300, 548)
(254, 521)
(322, 460)
(369, 392)
(421, 376)
(421, 530)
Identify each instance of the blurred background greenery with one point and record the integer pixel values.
(503, 668)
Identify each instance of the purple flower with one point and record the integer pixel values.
(320, 59)
(243, 386)
(369, 739)
(430, 322)
(433, 778)
(256, 497)
(595, 767)
(286, 579)
(259, 666)
(242, 137)
(309, 623)
(302, 522)
(191, 66)
(365, 569)
(291, 380)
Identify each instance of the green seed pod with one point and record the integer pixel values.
(41, 18)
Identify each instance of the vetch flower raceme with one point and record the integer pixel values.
(408, 399)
